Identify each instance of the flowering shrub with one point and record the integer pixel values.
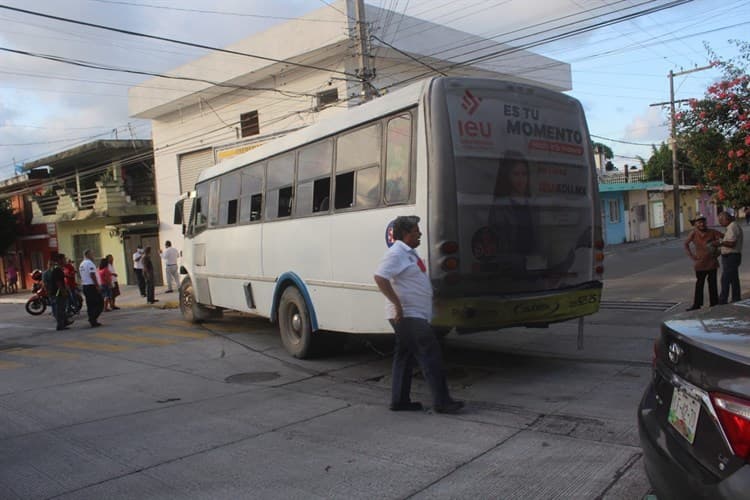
(715, 132)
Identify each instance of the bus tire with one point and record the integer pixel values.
(294, 324)
(190, 309)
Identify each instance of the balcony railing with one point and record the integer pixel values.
(621, 178)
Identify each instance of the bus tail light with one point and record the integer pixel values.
(599, 269)
(599, 244)
(449, 264)
(448, 247)
(734, 415)
(599, 256)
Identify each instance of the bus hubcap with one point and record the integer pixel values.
(296, 323)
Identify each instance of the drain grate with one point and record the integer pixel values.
(638, 305)
(251, 377)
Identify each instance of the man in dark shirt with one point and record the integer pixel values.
(58, 294)
(148, 274)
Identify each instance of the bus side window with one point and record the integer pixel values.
(314, 178)
(229, 198)
(198, 216)
(251, 193)
(279, 188)
(358, 153)
(398, 159)
(213, 203)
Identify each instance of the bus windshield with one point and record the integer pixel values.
(523, 181)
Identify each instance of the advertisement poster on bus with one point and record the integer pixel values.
(524, 185)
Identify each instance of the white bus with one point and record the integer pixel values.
(500, 173)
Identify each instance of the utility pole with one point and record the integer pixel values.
(363, 52)
(673, 143)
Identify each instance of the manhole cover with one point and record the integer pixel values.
(251, 377)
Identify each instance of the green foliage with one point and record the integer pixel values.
(8, 225)
(608, 154)
(659, 165)
(715, 131)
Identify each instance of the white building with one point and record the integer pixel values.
(307, 71)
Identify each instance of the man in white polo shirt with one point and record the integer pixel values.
(94, 300)
(402, 277)
(170, 256)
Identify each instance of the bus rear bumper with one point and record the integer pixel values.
(541, 309)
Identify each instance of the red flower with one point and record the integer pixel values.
(702, 115)
(747, 139)
(740, 153)
(731, 153)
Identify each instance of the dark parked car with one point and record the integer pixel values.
(694, 418)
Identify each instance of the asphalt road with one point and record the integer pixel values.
(149, 406)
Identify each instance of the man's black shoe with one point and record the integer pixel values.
(95, 324)
(62, 328)
(152, 301)
(692, 308)
(452, 407)
(410, 406)
(168, 291)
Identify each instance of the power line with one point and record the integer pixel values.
(621, 141)
(87, 64)
(216, 12)
(171, 40)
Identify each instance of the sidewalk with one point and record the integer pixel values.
(129, 297)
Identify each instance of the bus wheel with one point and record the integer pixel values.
(190, 309)
(294, 324)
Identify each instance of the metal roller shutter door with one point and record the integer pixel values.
(190, 166)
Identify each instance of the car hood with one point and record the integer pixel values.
(721, 328)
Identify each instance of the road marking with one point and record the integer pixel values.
(7, 365)
(42, 353)
(132, 338)
(94, 346)
(171, 332)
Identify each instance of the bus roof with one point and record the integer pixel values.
(391, 102)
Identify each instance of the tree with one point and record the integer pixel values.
(8, 226)
(659, 166)
(608, 154)
(715, 131)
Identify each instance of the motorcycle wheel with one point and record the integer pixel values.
(35, 306)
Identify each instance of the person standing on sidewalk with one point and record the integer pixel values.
(94, 300)
(170, 256)
(138, 269)
(148, 275)
(704, 243)
(402, 278)
(731, 258)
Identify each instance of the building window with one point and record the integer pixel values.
(325, 98)
(614, 211)
(249, 124)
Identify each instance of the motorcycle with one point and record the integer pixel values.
(38, 302)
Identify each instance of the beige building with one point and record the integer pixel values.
(234, 100)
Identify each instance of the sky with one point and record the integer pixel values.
(619, 70)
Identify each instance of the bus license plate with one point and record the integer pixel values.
(683, 414)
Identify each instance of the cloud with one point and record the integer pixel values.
(650, 126)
